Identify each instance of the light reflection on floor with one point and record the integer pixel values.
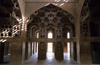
(50, 60)
(50, 55)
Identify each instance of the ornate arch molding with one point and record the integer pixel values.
(30, 28)
(85, 19)
(54, 9)
(50, 26)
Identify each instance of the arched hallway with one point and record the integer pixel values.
(49, 32)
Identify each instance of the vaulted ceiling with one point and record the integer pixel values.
(50, 1)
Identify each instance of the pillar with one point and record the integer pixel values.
(53, 47)
(73, 51)
(41, 50)
(9, 49)
(85, 51)
(6, 48)
(59, 51)
(31, 49)
(1, 52)
(17, 52)
(35, 47)
(27, 50)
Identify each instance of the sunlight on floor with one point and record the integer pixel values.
(50, 55)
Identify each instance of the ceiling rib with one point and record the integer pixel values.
(50, 1)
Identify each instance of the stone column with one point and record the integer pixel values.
(35, 47)
(27, 51)
(59, 51)
(17, 53)
(1, 52)
(85, 51)
(53, 47)
(6, 48)
(72, 50)
(41, 50)
(31, 49)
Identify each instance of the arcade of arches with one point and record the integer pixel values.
(62, 28)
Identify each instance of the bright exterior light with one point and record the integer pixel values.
(68, 35)
(68, 45)
(49, 47)
(50, 35)
(50, 51)
(37, 35)
(3, 40)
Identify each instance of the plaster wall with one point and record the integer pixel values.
(32, 7)
(22, 7)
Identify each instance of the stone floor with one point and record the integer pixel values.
(49, 61)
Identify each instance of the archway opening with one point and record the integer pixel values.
(37, 35)
(68, 35)
(67, 48)
(50, 35)
(50, 47)
(53, 30)
(50, 53)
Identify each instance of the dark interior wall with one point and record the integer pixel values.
(94, 29)
(95, 52)
(1, 52)
(75, 51)
(73, 30)
(6, 48)
(94, 7)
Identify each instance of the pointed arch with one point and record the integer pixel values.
(51, 8)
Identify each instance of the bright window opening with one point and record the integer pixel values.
(50, 47)
(68, 46)
(68, 35)
(50, 51)
(37, 35)
(50, 35)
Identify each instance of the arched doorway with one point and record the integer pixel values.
(53, 27)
